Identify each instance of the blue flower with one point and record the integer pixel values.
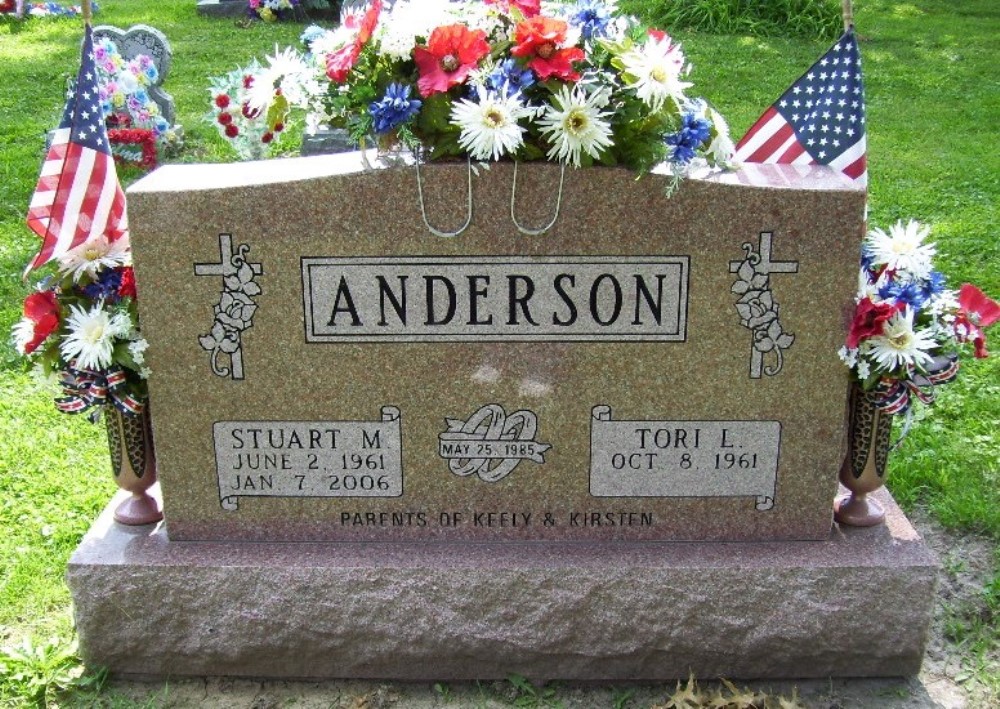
(909, 293)
(106, 286)
(867, 257)
(510, 78)
(592, 17)
(933, 285)
(394, 109)
(694, 132)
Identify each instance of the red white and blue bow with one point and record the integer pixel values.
(86, 388)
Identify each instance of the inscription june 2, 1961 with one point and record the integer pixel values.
(309, 458)
(684, 458)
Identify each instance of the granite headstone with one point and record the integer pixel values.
(651, 368)
(547, 410)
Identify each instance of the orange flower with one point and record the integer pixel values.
(452, 51)
(541, 38)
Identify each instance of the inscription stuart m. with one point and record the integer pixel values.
(511, 298)
(309, 459)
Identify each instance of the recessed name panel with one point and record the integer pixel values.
(474, 299)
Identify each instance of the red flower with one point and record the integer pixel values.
(126, 289)
(340, 63)
(247, 81)
(232, 131)
(222, 100)
(977, 311)
(41, 308)
(224, 119)
(870, 319)
(452, 51)
(267, 138)
(528, 8)
(658, 35)
(539, 38)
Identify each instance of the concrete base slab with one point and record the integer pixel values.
(857, 604)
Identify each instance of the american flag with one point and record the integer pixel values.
(819, 120)
(78, 195)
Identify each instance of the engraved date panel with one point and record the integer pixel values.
(684, 458)
(309, 458)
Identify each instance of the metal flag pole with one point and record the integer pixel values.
(848, 11)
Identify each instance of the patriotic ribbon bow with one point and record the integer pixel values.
(895, 396)
(86, 388)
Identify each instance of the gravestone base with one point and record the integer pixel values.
(222, 8)
(857, 604)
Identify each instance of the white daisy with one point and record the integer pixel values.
(92, 335)
(899, 345)
(93, 255)
(489, 127)
(654, 70)
(574, 123)
(285, 70)
(902, 248)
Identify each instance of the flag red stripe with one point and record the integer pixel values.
(761, 122)
(91, 197)
(766, 152)
(792, 153)
(857, 168)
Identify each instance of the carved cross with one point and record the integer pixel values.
(228, 265)
(763, 265)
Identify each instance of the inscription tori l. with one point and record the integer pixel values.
(757, 307)
(236, 308)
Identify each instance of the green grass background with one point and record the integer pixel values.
(933, 94)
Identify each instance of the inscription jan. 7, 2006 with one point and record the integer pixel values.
(309, 458)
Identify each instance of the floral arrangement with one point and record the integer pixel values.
(133, 146)
(909, 329)
(124, 92)
(42, 9)
(79, 326)
(249, 130)
(272, 10)
(577, 83)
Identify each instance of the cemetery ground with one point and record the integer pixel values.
(932, 115)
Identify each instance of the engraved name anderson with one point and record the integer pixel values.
(459, 298)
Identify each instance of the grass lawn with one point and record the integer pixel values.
(933, 108)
